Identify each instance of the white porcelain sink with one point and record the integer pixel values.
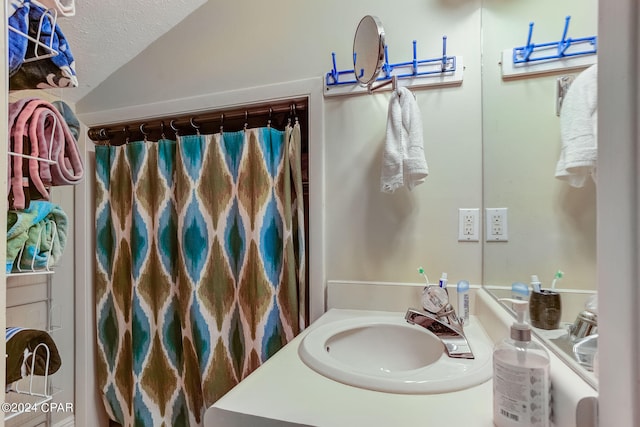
(381, 351)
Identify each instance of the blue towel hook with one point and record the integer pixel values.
(528, 50)
(444, 53)
(564, 43)
(334, 71)
(386, 67)
(414, 62)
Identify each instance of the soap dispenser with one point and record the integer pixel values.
(521, 385)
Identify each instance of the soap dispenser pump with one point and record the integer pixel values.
(521, 385)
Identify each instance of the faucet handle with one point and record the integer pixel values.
(586, 324)
(449, 315)
(434, 299)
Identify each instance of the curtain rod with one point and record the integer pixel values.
(190, 123)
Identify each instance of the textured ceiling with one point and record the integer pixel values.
(104, 35)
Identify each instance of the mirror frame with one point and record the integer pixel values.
(364, 42)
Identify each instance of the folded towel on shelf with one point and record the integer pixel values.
(18, 12)
(403, 159)
(21, 353)
(38, 124)
(69, 117)
(36, 236)
(55, 71)
(579, 130)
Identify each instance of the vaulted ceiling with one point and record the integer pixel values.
(104, 35)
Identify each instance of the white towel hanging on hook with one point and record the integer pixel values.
(403, 158)
(579, 130)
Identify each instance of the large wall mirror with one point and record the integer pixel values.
(551, 225)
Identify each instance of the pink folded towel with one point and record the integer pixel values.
(39, 125)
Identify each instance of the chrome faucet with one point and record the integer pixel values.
(441, 320)
(446, 326)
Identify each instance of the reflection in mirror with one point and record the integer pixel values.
(551, 225)
(368, 50)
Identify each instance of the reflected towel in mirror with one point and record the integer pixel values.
(579, 130)
(403, 158)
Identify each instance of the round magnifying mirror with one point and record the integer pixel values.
(368, 50)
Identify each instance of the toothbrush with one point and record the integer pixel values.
(422, 272)
(535, 283)
(558, 276)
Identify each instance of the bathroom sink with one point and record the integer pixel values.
(383, 352)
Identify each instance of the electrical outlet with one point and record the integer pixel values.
(469, 225)
(496, 229)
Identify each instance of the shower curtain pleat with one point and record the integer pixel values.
(199, 268)
(295, 160)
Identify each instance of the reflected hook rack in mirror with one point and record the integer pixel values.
(534, 59)
(560, 48)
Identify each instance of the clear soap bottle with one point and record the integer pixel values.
(521, 384)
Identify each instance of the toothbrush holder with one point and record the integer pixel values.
(545, 309)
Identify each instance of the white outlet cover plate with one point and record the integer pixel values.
(469, 225)
(496, 217)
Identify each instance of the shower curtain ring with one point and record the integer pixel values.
(144, 133)
(196, 126)
(246, 119)
(175, 129)
(221, 122)
(162, 129)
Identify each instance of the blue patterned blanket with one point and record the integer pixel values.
(27, 73)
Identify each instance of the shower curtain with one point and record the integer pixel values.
(199, 268)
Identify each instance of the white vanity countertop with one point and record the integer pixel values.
(285, 389)
(285, 392)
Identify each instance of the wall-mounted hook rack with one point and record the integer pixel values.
(540, 58)
(443, 70)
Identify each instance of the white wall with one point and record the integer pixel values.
(368, 235)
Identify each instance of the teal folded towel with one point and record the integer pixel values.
(41, 230)
(69, 117)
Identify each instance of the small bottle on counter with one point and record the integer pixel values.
(521, 384)
(463, 301)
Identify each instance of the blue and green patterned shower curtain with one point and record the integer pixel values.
(199, 268)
